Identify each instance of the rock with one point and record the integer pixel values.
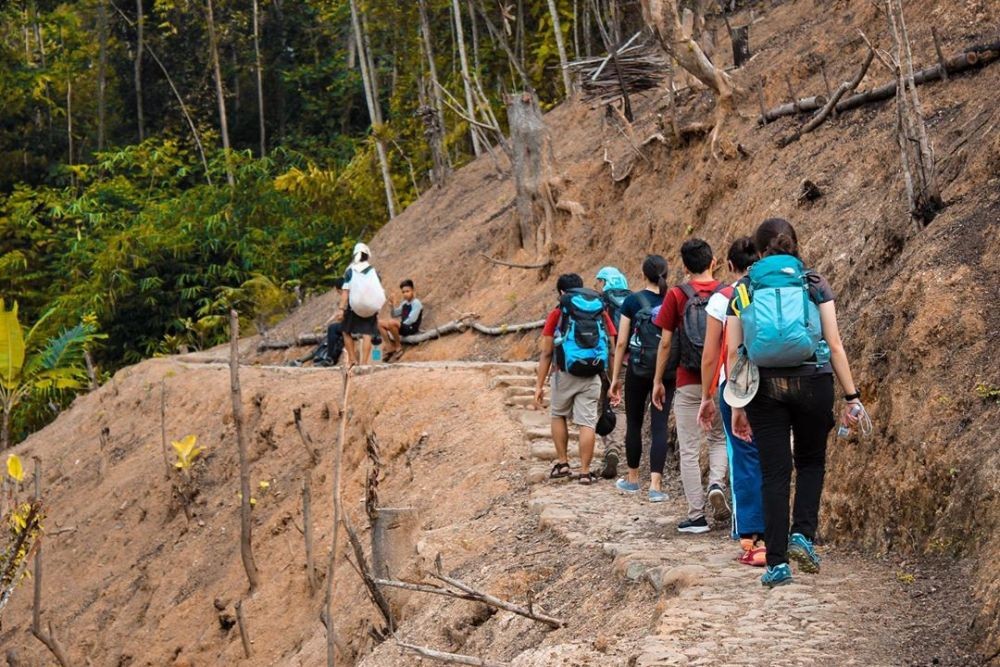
(675, 579)
(553, 516)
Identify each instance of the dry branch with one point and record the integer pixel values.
(503, 329)
(307, 530)
(366, 575)
(246, 528)
(514, 265)
(163, 429)
(50, 640)
(244, 633)
(972, 58)
(453, 658)
(304, 437)
(824, 113)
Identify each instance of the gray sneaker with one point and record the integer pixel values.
(717, 497)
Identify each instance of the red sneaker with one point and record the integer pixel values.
(752, 554)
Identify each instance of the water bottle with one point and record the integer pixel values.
(376, 349)
(844, 429)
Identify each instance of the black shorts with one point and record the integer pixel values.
(408, 329)
(360, 326)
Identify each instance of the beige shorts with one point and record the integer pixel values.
(576, 397)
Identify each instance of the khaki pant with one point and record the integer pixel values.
(687, 400)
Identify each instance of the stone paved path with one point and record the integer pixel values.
(712, 610)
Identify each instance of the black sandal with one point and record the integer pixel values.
(587, 478)
(560, 470)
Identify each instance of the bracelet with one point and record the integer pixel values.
(853, 397)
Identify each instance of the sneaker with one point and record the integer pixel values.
(626, 486)
(751, 554)
(717, 497)
(698, 525)
(657, 496)
(779, 575)
(800, 549)
(610, 469)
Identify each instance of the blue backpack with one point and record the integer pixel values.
(781, 323)
(583, 344)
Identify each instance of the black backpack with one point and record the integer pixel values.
(613, 300)
(691, 332)
(644, 340)
(329, 351)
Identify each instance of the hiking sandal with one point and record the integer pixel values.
(587, 478)
(560, 470)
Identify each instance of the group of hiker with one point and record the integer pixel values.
(746, 366)
(357, 324)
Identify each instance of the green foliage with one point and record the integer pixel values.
(146, 236)
(33, 370)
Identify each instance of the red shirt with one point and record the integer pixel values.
(672, 313)
(552, 321)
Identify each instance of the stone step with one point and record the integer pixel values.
(521, 391)
(524, 380)
(545, 433)
(545, 450)
(525, 401)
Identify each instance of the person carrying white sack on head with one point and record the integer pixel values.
(361, 299)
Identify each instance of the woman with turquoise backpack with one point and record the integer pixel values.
(784, 351)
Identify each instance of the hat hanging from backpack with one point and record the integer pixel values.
(742, 381)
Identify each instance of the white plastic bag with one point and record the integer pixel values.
(365, 294)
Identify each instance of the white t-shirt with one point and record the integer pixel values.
(716, 308)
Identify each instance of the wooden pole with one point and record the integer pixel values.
(246, 525)
(307, 530)
(331, 566)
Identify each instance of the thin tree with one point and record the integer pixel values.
(435, 124)
(466, 78)
(331, 563)
(139, 46)
(561, 47)
(246, 527)
(260, 76)
(102, 71)
(374, 114)
(663, 16)
(213, 47)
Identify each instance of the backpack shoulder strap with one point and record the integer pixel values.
(648, 299)
(687, 289)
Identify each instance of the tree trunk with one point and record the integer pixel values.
(260, 76)
(372, 72)
(475, 37)
(139, 46)
(5, 430)
(373, 112)
(213, 46)
(102, 71)
(69, 120)
(529, 139)
(466, 79)
(925, 193)
(664, 18)
(561, 47)
(434, 121)
(246, 526)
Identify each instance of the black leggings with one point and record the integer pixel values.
(637, 393)
(802, 406)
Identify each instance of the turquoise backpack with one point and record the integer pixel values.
(781, 323)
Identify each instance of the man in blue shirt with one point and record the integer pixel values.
(405, 319)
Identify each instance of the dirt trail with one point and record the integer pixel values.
(712, 610)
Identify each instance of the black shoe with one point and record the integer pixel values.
(717, 497)
(698, 525)
(610, 470)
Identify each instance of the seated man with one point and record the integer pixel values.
(405, 320)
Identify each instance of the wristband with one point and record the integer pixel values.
(853, 397)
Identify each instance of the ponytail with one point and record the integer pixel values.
(654, 269)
